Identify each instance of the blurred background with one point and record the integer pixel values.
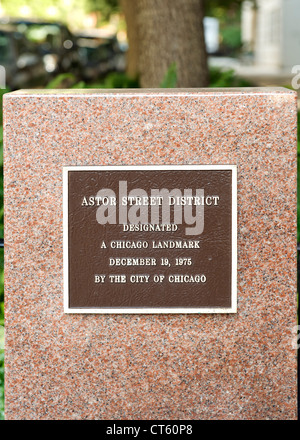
(136, 43)
(144, 43)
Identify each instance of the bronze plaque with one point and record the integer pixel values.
(150, 239)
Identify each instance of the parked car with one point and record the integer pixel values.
(99, 55)
(56, 44)
(23, 65)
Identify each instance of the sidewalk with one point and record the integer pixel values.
(260, 76)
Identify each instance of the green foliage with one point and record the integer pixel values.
(116, 80)
(105, 7)
(228, 12)
(2, 298)
(2, 92)
(61, 81)
(226, 78)
(219, 8)
(170, 79)
(231, 37)
(73, 10)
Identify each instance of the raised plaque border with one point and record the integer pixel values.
(144, 310)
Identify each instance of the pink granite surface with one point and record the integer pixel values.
(232, 366)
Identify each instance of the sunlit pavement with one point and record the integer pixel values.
(260, 76)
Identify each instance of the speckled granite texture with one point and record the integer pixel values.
(232, 366)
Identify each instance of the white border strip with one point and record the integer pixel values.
(156, 310)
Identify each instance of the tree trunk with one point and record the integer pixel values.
(168, 31)
(130, 12)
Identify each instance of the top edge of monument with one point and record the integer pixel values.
(152, 92)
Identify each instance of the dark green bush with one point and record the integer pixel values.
(226, 78)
